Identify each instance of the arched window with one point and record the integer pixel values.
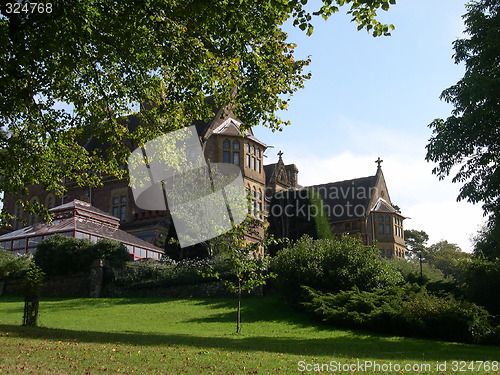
(50, 200)
(380, 217)
(33, 217)
(229, 156)
(119, 204)
(387, 218)
(381, 228)
(253, 149)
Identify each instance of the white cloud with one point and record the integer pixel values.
(453, 221)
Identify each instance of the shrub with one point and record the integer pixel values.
(168, 272)
(410, 270)
(113, 251)
(12, 265)
(482, 280)
(61, 255)
(433, 278)
(407, 310)
(331, 265)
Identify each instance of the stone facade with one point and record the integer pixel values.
(373, 217)
(363, 207)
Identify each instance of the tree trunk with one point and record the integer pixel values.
(421, 273)
(31, 302)
(238, 316)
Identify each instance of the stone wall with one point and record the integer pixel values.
(79, 286)
(68, 286)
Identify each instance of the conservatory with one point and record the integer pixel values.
(79, 220)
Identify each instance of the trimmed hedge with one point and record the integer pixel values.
(137, 275)
(61, 255)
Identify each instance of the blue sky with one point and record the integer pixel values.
(371, 97)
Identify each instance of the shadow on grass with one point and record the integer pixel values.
(352, 345)
(253, 310)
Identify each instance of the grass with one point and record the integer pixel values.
(196, 336)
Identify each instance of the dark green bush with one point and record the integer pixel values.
(331, 265)
(410, 270)
(61, 255)
(482, 280)
(433, 278)
(112, 251)
(407, 310)
(156, 274)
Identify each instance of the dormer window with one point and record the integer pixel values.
(231, 155)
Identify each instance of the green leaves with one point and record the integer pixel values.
(469, 138)
(81, 73)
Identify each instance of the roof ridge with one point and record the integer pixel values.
(338, 182)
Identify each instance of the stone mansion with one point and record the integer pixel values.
(360, 206)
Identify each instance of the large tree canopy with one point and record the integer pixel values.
(470, 138)
(79, 70)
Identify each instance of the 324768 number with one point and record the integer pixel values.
(28, 8)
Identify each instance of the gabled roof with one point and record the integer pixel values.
(271, 170)
(225, 122)
(230, 127)
(383, 206)
(349, 199)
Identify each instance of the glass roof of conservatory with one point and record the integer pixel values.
(81, 220)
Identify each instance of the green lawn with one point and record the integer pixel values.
(196, 336)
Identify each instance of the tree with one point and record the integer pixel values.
(245, 261)
(416, 241)
(12, 265)
(446, 257)
(32, 282)
(82, 69)
(487, 241)
(470, 138)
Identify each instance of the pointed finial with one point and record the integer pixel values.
(280, 153)
(378, 161)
